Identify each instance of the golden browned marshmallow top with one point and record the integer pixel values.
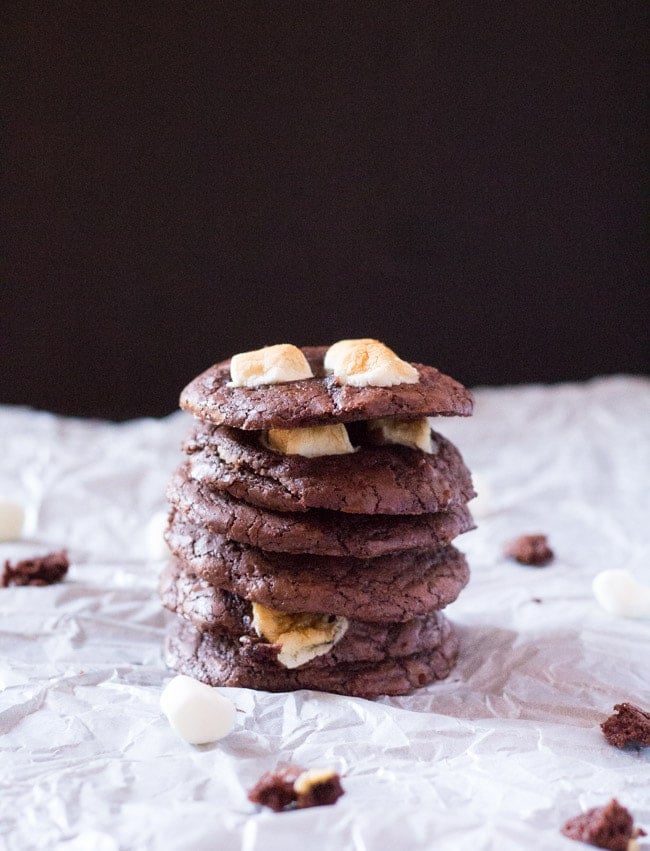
(270, 365)
(312, 777)
(368, 363)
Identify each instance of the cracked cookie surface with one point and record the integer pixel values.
(395, 587)
(212, 609)
(320, 400)
(221, 662)
(387, 479)
(318, 532)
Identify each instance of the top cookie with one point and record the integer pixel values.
(320, 400)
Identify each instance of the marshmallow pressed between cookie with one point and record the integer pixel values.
(311, 454)
(389, 477)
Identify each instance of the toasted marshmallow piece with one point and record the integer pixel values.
(619, 593)
(368, 363)
(311, 442)
(270, 365)
(303, 636)
(12, 520)
(312, 777)
(157, 548)
(196, 711)
(413, 433)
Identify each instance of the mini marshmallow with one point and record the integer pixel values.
(621, 594)
(196, 711)
(368, 363)
(12, 520)
(413, 433)
(157, 548)
(270, 365)
(312, 442)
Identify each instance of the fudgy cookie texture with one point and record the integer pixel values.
(530, 549)
(321, 400)
(395, 587)
(309, 557)
(212, 609)
(373, 480)
(221, 662)
(318, 532)
(629, 725)
(609, 827)
(42, 570)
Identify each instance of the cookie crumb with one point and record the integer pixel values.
(275, 789)
(317, 788)
(44, 570)
(292, 787)
(609, 827)
(530, 549)
(629, 725)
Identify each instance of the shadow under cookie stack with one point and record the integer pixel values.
(312, 521)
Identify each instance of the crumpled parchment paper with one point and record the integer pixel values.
(496, 757)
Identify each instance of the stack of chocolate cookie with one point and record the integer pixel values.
(312, 521)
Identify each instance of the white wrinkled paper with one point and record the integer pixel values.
(496, 757)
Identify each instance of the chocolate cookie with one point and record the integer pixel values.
(374, 480)
(320, 400)
(221, 662)
(319, 532)
(629, 725)
(214, 610)
(395, 587)
(208, 608)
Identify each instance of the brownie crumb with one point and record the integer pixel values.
(292, 787)
(275, 788)
(318, 788)
(530, 549)
(610, 827)
(45, 570)
(629, 725)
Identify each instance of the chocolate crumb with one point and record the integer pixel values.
(44, 570)
(292, 787)
(536, 600)
(530, 549)
(630, 725)
(318, 789)
(275, 789)
(609, 827)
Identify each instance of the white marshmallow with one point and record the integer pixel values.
(157, 548)
(621, 594)
(312, 442)
(368, 363)
(302, 636)
(196, 711)
(413, 433)
(270, 365)
(12, 520)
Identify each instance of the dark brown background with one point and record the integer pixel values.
(461, 180)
